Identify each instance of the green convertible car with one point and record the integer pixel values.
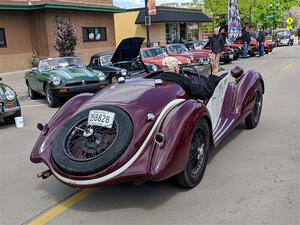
(9, 104)
(58, 78)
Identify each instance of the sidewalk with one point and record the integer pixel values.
(16, 81)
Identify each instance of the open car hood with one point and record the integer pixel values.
(128, 49)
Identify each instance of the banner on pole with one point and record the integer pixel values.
(151, 7)
(234, 21)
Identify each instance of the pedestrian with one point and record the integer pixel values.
(261, 37)
(298, 33)
(216, 44)
(246, 41)
(292, 37)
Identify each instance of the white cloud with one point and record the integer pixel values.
(141, 3)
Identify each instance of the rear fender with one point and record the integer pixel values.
(177, 129)
(58, 120)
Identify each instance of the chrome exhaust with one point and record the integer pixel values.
(45, 174)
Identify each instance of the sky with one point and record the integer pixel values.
(141, 3)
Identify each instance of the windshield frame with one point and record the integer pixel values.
(61, 62)
(176, 50)
(163, 53)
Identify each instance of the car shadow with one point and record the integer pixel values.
(231, 136)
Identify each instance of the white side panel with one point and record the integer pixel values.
(215, 104)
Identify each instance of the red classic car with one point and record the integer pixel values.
(238, 43)
(269, 46)
(156, 55)
(201, 57)
(145, 129)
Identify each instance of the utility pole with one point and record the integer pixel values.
(147, 23)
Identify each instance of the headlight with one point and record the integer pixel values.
(189, 61)
(10, 95)
(192, 58)
(56, 81)
(101, 76)
(201, 60)
(123, 72)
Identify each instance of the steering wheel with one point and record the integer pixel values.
(194, 73)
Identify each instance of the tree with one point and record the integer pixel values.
(66, 39)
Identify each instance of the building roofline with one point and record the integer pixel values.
(60, 7)
(167, 8)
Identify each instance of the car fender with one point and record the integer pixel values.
(58, 120)
(177, 128)
(249, 83)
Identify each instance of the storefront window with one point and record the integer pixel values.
(2, 38)
(172, 33)
(90, 34)
(193, 31)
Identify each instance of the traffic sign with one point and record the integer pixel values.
(290, 27)
(289, 21)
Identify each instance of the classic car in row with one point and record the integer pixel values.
(63, 77)
(9, 104)
(281, 37)
(146, 129)
(238, 44)
(115, 64)
(227, 56)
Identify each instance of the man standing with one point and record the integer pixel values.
(216, 44)
(246, 40)
(261, 41)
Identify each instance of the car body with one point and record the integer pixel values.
(9, 104)
(200, 57)
(238, 43)
(145, 129)
(115, 65)
(281, 37)
(62, 77)
(268, 45)
(156, 55)
(228, 55)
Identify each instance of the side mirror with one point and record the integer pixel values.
(237, 72)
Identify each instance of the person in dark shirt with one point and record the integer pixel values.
(197, 87)
(216, 44)
(261, 37)
(246, 41)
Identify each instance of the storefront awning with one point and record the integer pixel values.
(167, 14)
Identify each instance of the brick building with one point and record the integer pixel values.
(30, 26)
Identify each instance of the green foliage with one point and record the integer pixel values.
(253, 12)
(66, 39)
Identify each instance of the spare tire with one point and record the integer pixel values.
(79, 149)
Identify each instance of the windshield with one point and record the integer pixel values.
(283, 34)
(106, 60)
(153, 52)
(199, 45)
(179, 48)
(50, 64)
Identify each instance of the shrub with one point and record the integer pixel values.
(66, 39)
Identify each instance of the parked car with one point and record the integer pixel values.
(9, 104)
(268, 45)
(145, 129)
(238, 43)
(195, 45)
(58, 78)
(181, 50)
(156, 55)
(115, 65)
(281, 37)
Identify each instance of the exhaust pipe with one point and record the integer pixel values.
(160, 139)
(45, 174)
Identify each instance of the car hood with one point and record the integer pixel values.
(128, 49)
(74, 74)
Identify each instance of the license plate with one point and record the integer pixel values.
(231, 56)
(101, 118)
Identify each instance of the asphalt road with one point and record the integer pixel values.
(252, 178)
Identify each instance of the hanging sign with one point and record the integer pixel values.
(151, 7)
(234, 21)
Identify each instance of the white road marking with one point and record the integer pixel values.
(32, 106)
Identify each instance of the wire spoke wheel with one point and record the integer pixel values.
(197, 152)
(84, 143)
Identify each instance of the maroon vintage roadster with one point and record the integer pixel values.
(145, 129)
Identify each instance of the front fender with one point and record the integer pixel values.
(177, 128)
